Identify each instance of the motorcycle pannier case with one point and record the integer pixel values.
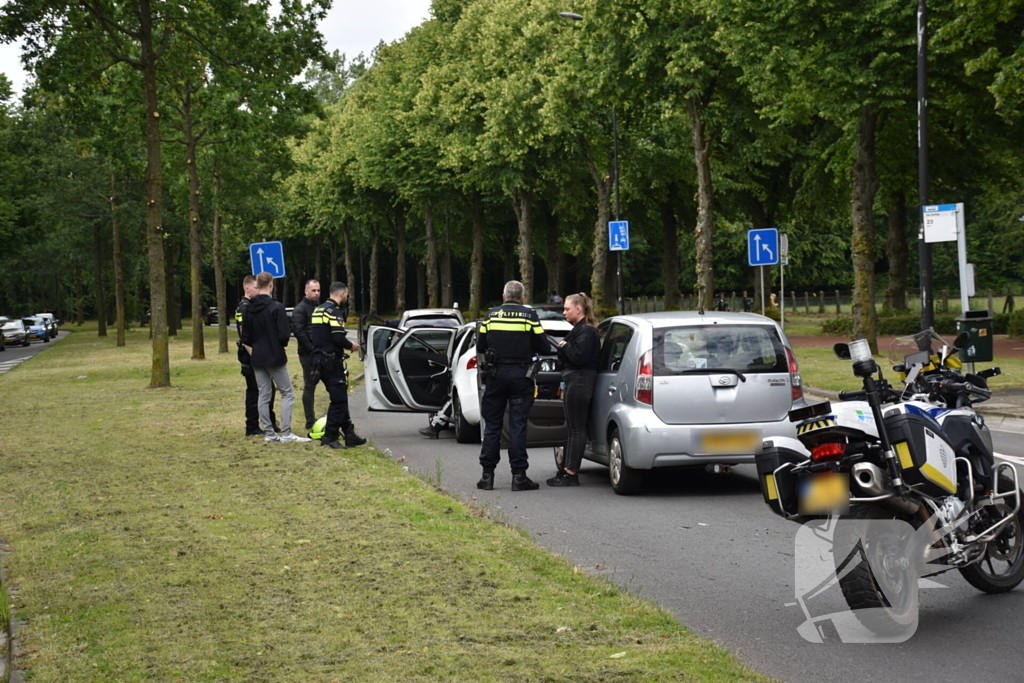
(927, 459)
(779, 487)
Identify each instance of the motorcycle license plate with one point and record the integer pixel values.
(729, 442)
(824, 493)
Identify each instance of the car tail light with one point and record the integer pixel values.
(645, 379)
(471, 363)
(828, 452)
(795, 380)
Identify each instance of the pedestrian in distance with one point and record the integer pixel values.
(252, 390)
(330, 343)
(554, 298)
(578, 352)
(265, 333)
(302, 327)
(508, 340)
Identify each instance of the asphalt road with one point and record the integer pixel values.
(16, 355)
(707, 548)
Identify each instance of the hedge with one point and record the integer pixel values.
(909, 323)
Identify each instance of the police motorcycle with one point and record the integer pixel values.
(931, 464)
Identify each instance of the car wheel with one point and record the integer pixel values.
(25, 342)
(464, 432)
(560, 458)
(625, 480)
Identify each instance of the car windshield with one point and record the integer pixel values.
(433, 321)
(732, 348)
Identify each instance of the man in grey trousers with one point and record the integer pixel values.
(265, 333)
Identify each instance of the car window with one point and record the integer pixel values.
(614, 348)
(744, 348)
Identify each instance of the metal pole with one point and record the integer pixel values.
(782, 294)
(761, 269)
(615, 171)
(924, 249)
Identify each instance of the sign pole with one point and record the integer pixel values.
(761, 268)
(782, 294)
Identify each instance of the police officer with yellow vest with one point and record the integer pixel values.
(330, 345)
(508, 339)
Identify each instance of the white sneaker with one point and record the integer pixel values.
(271, 439)
(289, 438)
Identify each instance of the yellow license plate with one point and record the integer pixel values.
(730, 442)
(825, 493)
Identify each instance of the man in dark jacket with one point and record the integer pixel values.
(252, 390)
(265, 333)
(302, 316)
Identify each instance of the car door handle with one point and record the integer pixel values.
(611, 390)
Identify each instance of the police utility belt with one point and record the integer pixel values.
(492, 363)
(327, 361)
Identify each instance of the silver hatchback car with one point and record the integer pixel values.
(688, 388)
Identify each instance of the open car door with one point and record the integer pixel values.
(381, 394)
(418, 364)
(365, 321)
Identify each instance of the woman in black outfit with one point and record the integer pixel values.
(579, 353)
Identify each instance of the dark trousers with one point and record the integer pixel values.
(308, 390)
(579, 392)
(507, 387)
(338, 418)
(252, 396)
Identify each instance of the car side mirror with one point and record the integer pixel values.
(842, 351)
(961, 341)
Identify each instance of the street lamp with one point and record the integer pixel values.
(620, 299)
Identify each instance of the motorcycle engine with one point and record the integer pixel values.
(948, 511)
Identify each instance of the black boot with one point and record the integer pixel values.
(430, 432)
(521, 482)
(351, 438)
(486, 480)
(331, 442)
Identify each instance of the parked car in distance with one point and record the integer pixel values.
(432, 317)
(35, 328)
(688, 388)
(3, 343)
(211, 317)
(549, 311)
(51, 323)
(15, 333)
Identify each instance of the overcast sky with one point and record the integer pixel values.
(352, 26)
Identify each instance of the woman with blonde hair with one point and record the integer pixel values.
(578, 353)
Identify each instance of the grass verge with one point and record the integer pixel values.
(151, 542)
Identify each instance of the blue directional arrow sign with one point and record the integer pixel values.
(618, 235)
(267, 257)
(763, 246)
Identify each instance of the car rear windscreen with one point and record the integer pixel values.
(743, 348)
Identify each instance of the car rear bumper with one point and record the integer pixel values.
(650, 443)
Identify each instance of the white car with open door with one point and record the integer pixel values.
(415, 370)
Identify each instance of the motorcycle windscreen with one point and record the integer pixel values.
(381, 394)
(419, 365)
(720, 374)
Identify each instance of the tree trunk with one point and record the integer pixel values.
(896, 294)
(508, 252)
(218, 266)
(79, 299)
(522, 203)
(433, 295)
(862, 194)
(421, 285)
(173, 298)
(333, 243)
(760, 218)
(599, 255)
(195, 227)
(670, 256)
(101, 313)
(317, 273)
(160, 371)
(447, 293)
(115, 222)
(350, 272)
(374, 263)
(399, 259)
(476, 265)
(553, 260)
(705, 229)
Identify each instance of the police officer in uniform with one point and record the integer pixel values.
(507, 341)
(330, 345)
(252, 390)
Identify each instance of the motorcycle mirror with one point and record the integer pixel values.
(961, 341)
(842, 351)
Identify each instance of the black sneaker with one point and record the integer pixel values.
(429, 433)
(331, 443)
(563, 478)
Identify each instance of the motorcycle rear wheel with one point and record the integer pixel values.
(1002, 567)
(881, 587)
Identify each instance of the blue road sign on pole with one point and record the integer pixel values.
(763, 246)
(267, 257)
(618, 235)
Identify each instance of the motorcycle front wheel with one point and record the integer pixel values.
(1001, 569)
(877, 570)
